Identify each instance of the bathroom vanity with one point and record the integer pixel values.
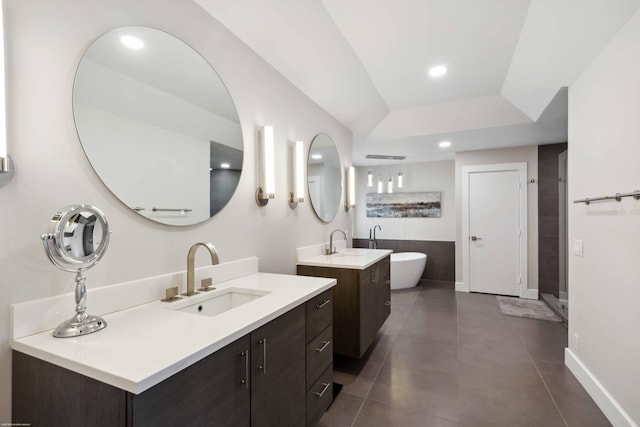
(361, 298)
(264, 360)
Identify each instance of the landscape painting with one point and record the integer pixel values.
(404, 205)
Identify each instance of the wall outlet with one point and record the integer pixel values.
(577, 247)
(576, 342)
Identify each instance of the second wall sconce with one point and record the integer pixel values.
(267, 170)
(297, 195)
(351, 189)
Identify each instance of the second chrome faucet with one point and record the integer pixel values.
(331, 249)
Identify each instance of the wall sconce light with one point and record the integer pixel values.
(370, 178)
(267, 187)
(6, 165)
(351, 189)
(297, 195)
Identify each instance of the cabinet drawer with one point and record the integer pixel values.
(319, 311)
(320, 396)
(319, 355)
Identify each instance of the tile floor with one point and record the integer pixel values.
(453, 359)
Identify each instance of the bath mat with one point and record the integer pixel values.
(532, 309)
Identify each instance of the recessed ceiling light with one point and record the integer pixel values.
(132, 42)
(437, 71)
(316, 156)
(445, 144)
(225, 165)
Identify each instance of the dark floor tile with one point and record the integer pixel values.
(483, 403)
(499, 370)
(378, 414)
(419, 354)
(429, 391)
(544, 340)
(491, 342)
(577, 407)
(430, 327)
(342, 411)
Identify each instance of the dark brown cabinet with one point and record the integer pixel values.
(258, 380)
(319, 354)
(361, 304)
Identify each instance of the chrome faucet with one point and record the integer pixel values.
(373, 243)
(331, 249)
(191, 261)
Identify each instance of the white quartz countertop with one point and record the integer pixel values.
(144, 345)
(352, 258)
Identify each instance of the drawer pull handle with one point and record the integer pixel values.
(324, 345)
(387, 303)
(387, 282)
(326, 386)
(245, 380)
(263, 367)
(325, 302)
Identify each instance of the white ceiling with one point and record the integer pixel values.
(366, 62)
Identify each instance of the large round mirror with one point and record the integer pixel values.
(324, 177)
(158, 125)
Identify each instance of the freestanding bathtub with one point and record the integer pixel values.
(407, 269)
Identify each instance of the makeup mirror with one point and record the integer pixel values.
(76, 240)
(158, 125)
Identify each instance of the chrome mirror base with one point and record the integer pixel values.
(80, 324)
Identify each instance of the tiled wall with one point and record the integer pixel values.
(548, 217)
(440, 255)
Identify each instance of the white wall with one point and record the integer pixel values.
(431, 176)
(45, 41)
(604, 284)
(527, 154)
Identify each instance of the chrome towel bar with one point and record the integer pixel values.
(617, 197)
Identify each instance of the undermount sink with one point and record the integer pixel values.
(225, 301)
(339, 254)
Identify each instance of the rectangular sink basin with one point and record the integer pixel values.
(349, 254)
(225, 301)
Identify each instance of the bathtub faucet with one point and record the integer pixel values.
(373, 243)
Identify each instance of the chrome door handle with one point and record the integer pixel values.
(245, 380)
(263, 367)
(325, 344)
(325, 302)
(474, 238)
(326, 386)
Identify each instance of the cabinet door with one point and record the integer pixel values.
(369, 310)
(47, 395)
(383, 291)
(278, 390)
(212, 392)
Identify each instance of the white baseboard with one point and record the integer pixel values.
(529, 294)
(461, 287)
(607, 404)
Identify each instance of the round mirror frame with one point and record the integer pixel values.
(315, 205)
(159, 211)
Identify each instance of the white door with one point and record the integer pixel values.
(495, 230)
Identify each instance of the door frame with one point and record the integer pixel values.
(521, 168)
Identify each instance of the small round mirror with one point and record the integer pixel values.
(77, 238)
(324, 177)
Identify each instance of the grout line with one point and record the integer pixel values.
(386, 356)
(535, 365)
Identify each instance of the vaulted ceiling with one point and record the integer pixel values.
(366, 63)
